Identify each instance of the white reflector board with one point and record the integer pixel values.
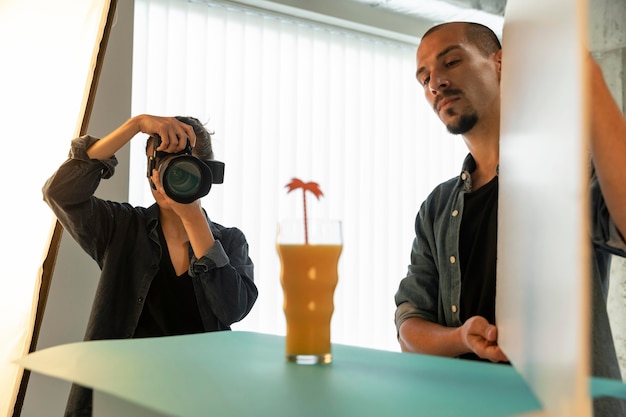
(48, 51)
(543, 268)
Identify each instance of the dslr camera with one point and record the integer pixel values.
(185, 178)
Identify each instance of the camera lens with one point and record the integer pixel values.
(185, 178)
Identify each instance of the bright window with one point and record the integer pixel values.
(291, 98)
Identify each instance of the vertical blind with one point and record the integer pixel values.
(286, 98)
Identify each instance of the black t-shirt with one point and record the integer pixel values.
(477, 250)
(170, 306)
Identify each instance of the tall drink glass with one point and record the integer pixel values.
(308, 274)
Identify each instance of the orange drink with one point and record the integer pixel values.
(308, 277)
(309, 259)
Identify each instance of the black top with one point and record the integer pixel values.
(477, 250)
(171, 307)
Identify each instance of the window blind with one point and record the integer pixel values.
(285, 98)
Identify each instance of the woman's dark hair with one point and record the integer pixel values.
(203, 148)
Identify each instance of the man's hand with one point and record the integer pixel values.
(476, 335)
(481, 338)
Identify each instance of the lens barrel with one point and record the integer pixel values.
(185, 178)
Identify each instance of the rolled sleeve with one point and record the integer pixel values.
(223, 278)
(78, 151)
(604, 232)
(616, 240)
(420, 287)
(419, 294)
(404, 312)
(215, 257)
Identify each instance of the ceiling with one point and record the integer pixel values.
(488, 6)
(488, 12)
(495, 7)
(404, 20)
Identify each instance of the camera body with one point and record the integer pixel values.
(185, 178)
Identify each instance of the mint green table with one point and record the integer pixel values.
(245, 374)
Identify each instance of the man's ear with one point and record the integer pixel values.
(498, 58)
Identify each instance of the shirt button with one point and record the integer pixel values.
(453, 308)
(452, 259)
(140, 300)
(455, 213)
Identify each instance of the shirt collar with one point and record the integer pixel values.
(469, 166)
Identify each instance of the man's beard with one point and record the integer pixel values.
(464, 124)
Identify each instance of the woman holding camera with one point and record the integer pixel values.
(166, 269)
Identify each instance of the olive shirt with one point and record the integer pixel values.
(125, 243)
(432, 288)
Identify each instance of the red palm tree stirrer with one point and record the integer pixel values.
(306, 186)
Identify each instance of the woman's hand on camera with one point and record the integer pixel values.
(174, 133)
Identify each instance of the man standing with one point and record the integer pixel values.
(446, 304)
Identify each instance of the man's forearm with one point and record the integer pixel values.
(608, 146)
(421, 336)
